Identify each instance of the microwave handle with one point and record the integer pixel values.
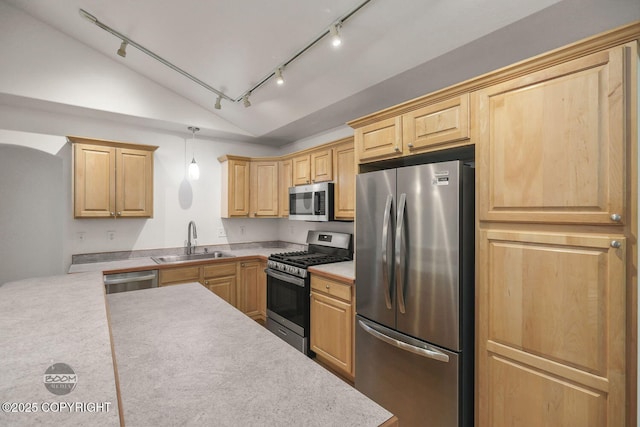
(316, 203)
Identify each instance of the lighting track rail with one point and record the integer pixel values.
(244, 97)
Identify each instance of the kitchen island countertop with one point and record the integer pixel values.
(49, 320)
(186, 357)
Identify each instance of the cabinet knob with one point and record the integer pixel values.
(396, 148)
(119, 213)
(615, 244)
(113, 213)
(242, 265)
(206, 282)
(327, 286)
(616, 217)
(410, 145)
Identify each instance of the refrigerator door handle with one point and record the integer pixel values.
(399, 259)
(385, 261)
(430, 352)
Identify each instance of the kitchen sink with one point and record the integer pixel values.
(193, 257)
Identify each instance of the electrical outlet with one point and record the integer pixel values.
(222, 232)
(242, 230)
(81, 235)
(111, 235)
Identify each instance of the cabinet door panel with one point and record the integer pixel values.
(524, 397)
(224, 287)
(174, 276)
(94, 181)
(264, 188)
(134, 183)
(551, 144)
(332, 330)
(555, 304)
(249, 295)
(379, 140)
(301, 170)
(436, 124)
(285, 181)
(321, 165)
(345, 182)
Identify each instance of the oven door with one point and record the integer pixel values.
(288, 301)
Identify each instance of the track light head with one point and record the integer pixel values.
(123, 49)
(279, 78)
(245, 101)
(218, 103)
(334, 31)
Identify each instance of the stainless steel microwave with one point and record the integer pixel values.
(312, 202)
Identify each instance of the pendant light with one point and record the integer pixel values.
(194, 169)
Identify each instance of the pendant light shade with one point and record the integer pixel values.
(194, 169)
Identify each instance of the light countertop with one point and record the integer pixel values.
(136, 263)
(344, 271)
(59, 319)
(186, 357)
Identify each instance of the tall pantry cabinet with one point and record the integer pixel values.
(555, 175)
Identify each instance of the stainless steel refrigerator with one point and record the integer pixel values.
(415, 292)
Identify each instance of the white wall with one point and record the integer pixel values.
(176, 200)
(31, 213)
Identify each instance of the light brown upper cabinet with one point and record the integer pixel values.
(284, 182)
(301, 166)
(552, 144)
(111, 179)
(443, 124)
(440, 123)
(379, 140)
(264, 188)
(235, 186)
(345, 180)
(321, 165)
(316, 166)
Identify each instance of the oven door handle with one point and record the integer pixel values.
(285, 277)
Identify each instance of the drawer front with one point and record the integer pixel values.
(184, 274)
(220, 270)
(331, 287)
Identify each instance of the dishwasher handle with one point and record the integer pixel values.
(129, 279)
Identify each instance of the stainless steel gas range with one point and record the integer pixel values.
(288, 284)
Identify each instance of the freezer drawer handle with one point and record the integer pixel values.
(424, 352)
(385, 261)
(130, 279)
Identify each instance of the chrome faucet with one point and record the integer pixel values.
(191, 249)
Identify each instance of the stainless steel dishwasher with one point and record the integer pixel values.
(133, 281)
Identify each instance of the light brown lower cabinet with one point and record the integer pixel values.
(221, 280)
(252, 292)
(551, 331)
(332, 327)
(178, 275)
(242, 284)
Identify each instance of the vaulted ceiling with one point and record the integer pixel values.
(233, 45)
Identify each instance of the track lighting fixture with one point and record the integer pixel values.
(279, 78)
(334, 30)
(123, 49)
(194, 169)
